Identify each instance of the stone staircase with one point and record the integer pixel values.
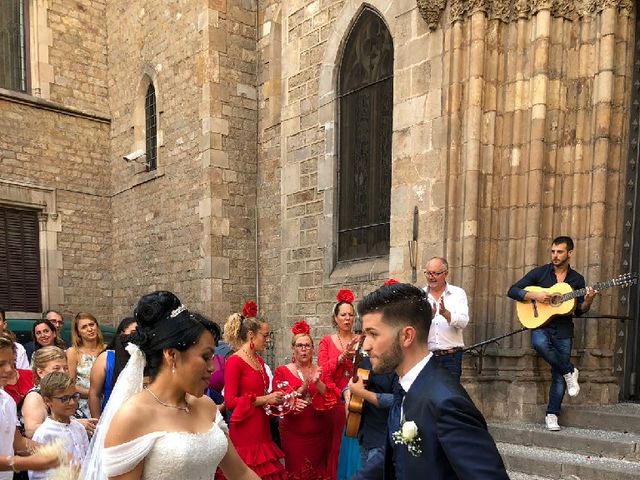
(595, 443)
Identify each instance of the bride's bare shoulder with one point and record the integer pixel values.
(131, 421)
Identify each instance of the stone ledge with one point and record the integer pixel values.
(31, 101)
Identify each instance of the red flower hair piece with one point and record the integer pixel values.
(301, 327)
(250, 309)
(391, 281)
(345, 295)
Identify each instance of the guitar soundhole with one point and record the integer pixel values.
(556, 300)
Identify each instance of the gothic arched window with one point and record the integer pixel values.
(151, 128)
(366, 113)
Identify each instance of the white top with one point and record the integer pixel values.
(22, 361)
(170, 455)
(8, 422)
(74, 438)
(444, 335)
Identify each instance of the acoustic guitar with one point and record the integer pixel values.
(356, 404)
(534, 314)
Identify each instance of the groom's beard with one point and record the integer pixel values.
(389, 360)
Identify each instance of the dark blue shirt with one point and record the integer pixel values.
(373, 426)
(545, 277)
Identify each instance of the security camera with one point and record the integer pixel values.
(133, 156)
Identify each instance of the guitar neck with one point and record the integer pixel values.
(583, 291)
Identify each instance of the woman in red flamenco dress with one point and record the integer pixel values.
(303, 430)
(335, 357)
(246, 387)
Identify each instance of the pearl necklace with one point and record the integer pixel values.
(165, 404)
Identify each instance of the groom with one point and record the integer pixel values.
(451, 441)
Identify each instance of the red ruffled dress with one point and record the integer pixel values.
(336, 376)
(249, 425)
(304, 435)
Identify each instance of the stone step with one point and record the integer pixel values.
(600, 443)
(525, 476)
(565, 465)
(623, 417)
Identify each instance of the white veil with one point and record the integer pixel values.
(128, 384)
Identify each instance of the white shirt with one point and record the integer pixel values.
(444, 335)
(22, 361)
(74, 438)
(8, 422)
(408, 378)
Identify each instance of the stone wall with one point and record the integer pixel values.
(509, 129)
(54, 160)
(189, 226)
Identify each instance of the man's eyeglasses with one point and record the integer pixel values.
(67, 398)
(302, 347)
(434, 274)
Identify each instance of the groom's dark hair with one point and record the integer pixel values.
(401, 304)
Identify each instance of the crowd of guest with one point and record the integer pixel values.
(287, 424)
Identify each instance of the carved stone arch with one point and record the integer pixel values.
(328, 108)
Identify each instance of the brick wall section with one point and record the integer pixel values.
(78, 54)
(238, 76)
(68, 153)
(269, 167)
(157, 230)
(192, 229)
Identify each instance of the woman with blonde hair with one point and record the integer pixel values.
(246, 393)
(305, 437)
(87, 343)
(34, 410)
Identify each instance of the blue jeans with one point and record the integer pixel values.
(452, 362)
(557, 353)
(372, 464)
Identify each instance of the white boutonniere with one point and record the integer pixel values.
(408, 435)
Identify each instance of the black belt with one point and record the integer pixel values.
(447, 351)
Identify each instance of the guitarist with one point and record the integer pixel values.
(378, 398)
(554, 340)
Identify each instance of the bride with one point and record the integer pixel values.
(169, 429)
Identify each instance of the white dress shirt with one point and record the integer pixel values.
(22, 361)
(408, 378)
(73, 436)
(444, 335)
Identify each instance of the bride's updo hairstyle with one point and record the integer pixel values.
(163, 322)
(238, 326)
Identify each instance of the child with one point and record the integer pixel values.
(10, 438)
(59, 393)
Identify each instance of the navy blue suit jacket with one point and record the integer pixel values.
(455, 441)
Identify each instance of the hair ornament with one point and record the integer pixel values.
(177, 311)
(301, 327)
(345, 295)
(250, 309)
(391, 281)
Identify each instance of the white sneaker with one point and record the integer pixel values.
(572, 382)
(552, 422)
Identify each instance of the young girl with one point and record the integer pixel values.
(61, 397)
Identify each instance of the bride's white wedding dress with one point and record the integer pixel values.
(166, 455)
(170, 455)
